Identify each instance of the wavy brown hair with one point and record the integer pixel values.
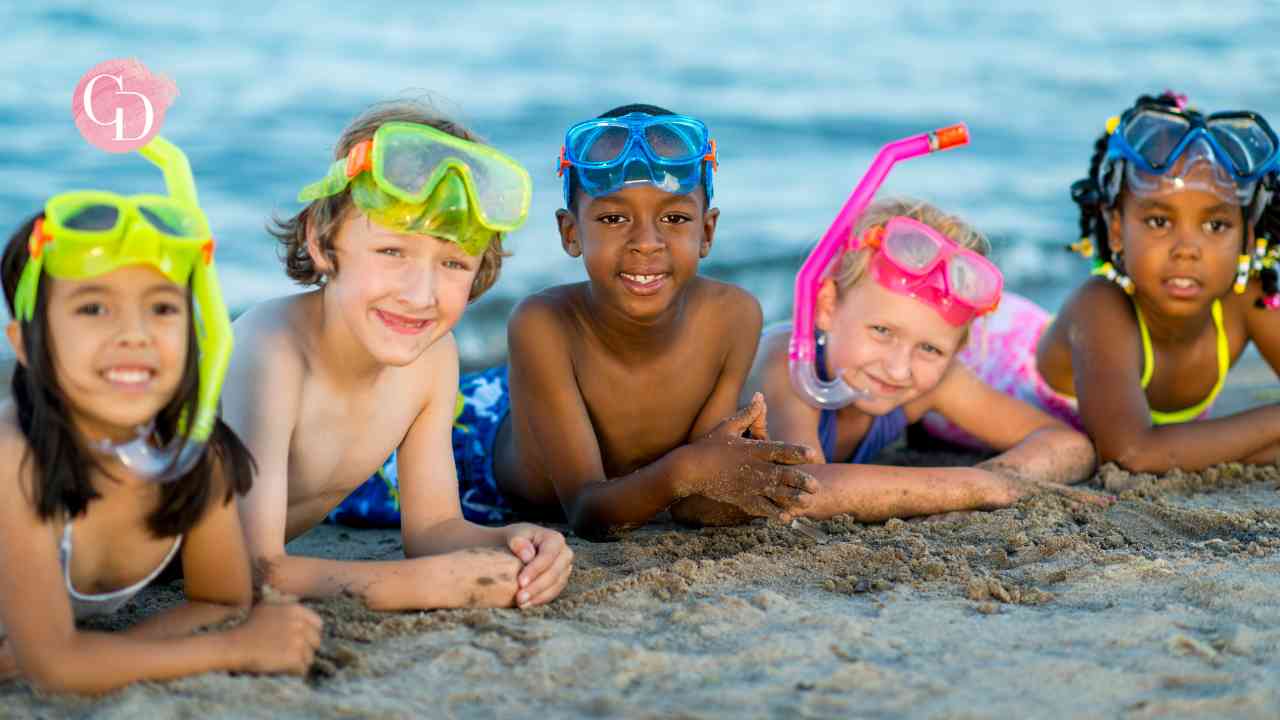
(324, 216)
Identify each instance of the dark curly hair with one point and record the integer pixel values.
(1089, 195)
(326, 214)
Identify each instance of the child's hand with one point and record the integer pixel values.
(1017, 488)
(278, 638)
(752, 475)
(547, 563)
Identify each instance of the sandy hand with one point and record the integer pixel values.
(753, 475)
(547, 563)
(278, 638)
(1019, 488)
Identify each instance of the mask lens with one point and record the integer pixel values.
(675, 142)
(408, 160)
(911, 249)
(1154, 135)
(969, 280)
(171, 220)
(92, 218)
(598, 144)
(1244, 140)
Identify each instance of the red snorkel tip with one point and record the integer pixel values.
(947, 137)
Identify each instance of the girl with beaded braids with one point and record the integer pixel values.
(1180, 215)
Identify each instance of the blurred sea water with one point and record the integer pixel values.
(798, 95)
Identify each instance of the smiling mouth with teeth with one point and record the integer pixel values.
(1182, 282)
(642, 279)
(128, 376)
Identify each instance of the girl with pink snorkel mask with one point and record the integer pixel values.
(883, 304)
(1180, 218)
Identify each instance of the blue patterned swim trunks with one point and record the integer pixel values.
(484, 401)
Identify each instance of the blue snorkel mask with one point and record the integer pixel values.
(673, 152)
(1156, 149)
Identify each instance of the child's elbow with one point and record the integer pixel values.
(1135, 456)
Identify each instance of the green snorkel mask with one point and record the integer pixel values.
(416, 179)
(88, 233)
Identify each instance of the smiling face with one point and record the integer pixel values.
(641, 245)
(119, 347)
(395, 293)
(890, 345)
(1180, 248)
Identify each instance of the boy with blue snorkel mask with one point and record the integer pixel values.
(623, 388)
(403, 231)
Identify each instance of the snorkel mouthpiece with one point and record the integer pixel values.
(836, 393)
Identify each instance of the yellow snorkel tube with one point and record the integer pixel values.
(87, 233)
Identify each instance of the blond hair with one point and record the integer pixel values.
(325, 215)
(851, 266)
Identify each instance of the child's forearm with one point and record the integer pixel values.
(410, 584)
(450, 535)
(183, 620)
(600, 510)
(874, 493)
(1053, 454)
(1192, 445)
(95, 662)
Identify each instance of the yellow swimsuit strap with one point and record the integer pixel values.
(1148, 367)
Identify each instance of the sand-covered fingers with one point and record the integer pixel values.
(548, 562)
(1026, 488)
(278, 638)
(784, 453)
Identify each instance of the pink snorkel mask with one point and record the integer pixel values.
(913, 259)
(804, 377)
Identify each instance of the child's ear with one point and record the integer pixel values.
(824, 307)
(709, 220)
(14, 332)
(568, 225)
(318, 257)
(1115, 227)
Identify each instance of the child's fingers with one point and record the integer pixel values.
(523, 548)
(790, 499)
(740, 421)
(782, 452)
(549, 585)
(551, 547)
(760, 428)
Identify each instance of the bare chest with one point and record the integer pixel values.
(341, 439)
(644, 411)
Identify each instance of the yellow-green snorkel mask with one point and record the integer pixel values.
(87, 233)
(414, 178)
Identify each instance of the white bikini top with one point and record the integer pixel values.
(83, 605)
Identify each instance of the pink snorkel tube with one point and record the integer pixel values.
(804, 378)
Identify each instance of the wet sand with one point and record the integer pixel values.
(1163, 605)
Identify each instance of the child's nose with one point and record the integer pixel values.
(898, 365)
(133, 330)
(419, 288)
(1186, 245)
(645, 239)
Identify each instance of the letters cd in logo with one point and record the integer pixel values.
(119, 105)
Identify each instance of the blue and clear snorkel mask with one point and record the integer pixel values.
(672, 152)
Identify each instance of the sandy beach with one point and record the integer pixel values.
(1161, 606)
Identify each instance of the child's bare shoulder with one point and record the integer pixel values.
(548, 311)
(1098, 303)
(273, 335)
(718, 306)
